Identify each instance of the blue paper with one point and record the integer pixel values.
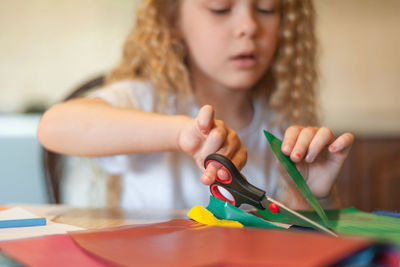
(22, 222)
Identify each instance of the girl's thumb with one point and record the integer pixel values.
(205, 119)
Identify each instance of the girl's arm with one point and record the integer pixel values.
(92, 127)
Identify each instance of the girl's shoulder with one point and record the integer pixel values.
(130, 85)
(127, 94)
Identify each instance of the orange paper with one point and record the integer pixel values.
(52, 250)
(188, 243)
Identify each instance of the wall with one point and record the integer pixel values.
(360, 65)
(47, 47)
(21, 172)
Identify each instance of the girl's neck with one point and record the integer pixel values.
(233, 106)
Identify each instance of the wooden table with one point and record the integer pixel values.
(96, 218)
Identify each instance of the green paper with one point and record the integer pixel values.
(226, 211)
(348, 221)
(296, 176)
(351, 221)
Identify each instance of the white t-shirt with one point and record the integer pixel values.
(171, 180)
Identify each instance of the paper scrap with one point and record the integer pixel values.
(201, 215)
(33, 231)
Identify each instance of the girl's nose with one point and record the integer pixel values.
(247, 25)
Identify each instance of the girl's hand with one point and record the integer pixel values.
(204, 135)
(317, 154)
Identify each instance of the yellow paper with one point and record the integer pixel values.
(202, 215)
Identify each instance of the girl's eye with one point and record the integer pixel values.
(220, 11)
(265, 11)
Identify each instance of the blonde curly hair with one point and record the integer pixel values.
(151, 53)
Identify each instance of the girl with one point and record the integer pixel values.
(200, 77)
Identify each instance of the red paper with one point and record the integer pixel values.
(188, 243)
(51, 250)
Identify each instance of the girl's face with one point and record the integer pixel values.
(230, 42)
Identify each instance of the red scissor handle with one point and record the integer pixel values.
(241, 190)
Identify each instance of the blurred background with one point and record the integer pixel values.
(48, 48)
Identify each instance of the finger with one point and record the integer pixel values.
(239, 159)
(214, 141)
(234, 150)
(342, 143)
(223, 174)
(210, 173)
(232, 144)
(289, 139)
(321, 140)
(205, 119)
(302, 143)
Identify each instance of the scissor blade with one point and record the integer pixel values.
(298, 217)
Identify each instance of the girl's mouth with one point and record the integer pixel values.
(245, 60)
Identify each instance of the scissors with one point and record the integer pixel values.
(240, 191)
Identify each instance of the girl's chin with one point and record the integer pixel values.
(241, 85)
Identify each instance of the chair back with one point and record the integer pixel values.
(52, 162)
